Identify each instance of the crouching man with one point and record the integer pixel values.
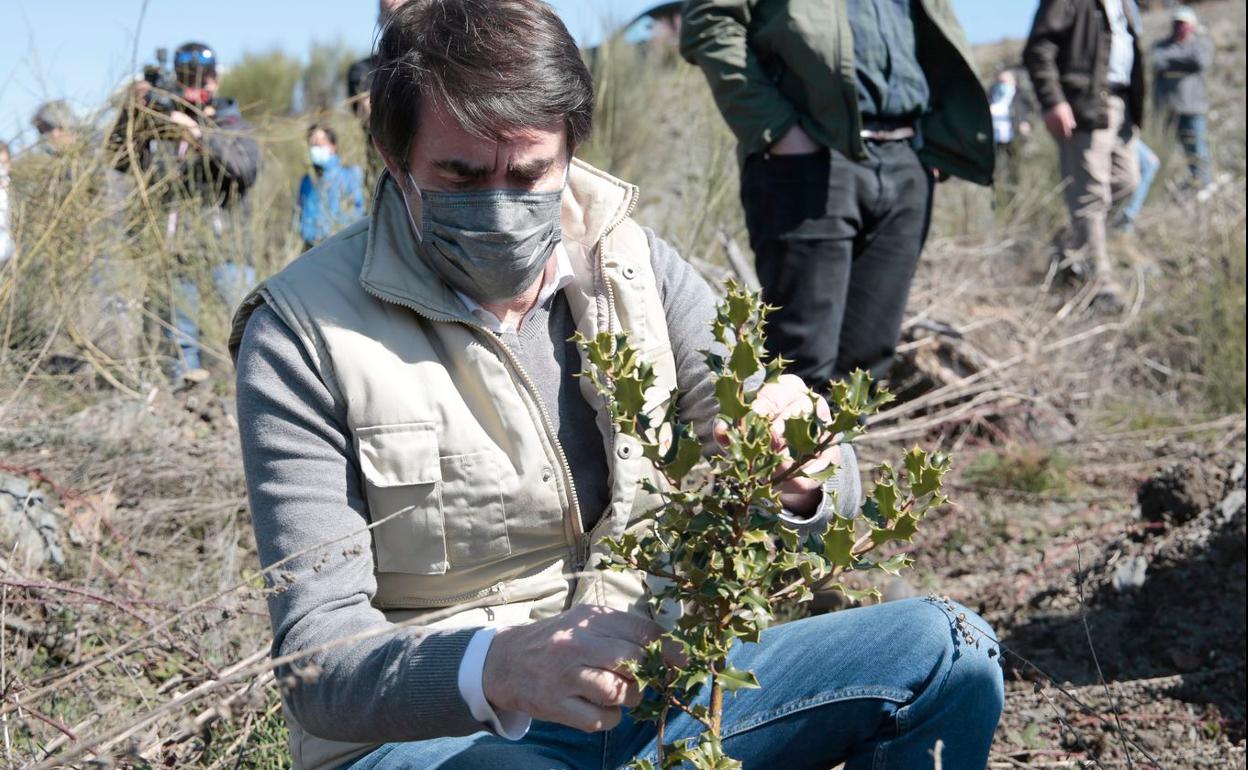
(436, 481)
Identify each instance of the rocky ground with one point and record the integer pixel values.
(1130, 632)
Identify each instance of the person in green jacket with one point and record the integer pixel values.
(845, 114)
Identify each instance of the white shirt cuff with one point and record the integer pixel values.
(512, 725)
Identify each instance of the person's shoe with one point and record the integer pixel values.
(1110, 298)
(194, 377)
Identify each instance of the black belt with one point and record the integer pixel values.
(1120, 90)
(886, 125)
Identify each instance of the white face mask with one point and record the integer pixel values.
(321, 155)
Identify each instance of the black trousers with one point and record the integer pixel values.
(836, 243)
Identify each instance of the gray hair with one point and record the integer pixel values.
(54, 114)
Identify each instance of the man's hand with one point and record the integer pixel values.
(140, 90)
(1060, 120)
(566, 669)
(789, 397)
(795, 142)
(186, 121)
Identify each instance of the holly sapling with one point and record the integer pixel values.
(718, 549)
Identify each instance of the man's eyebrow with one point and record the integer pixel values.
(462, 168)
(531, 169)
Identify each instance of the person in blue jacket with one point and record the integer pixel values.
(332, 196)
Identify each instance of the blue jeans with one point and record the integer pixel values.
(1150, 164)
(1193, 135)
(232, 281)
(874, 687)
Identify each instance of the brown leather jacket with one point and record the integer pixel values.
(1067, 57)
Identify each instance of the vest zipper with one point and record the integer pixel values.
(578, 534)
(632, 206)
(578, 525)
(587, 539)
(453, 600)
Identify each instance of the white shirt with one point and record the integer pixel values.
(1001, 107)
(6, 239)
(512, 725)
(1122, 45)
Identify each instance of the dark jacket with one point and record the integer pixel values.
(775, 63)
(1067, 57)
(1179, 71)
(206, 185)
(219, 172)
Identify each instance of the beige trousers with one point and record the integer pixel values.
(1101, 169)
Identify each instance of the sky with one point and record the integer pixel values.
(81, 49)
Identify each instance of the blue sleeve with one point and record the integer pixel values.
(308, 210)
(357, 184)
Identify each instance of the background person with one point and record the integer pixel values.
(55, 123)
(841, 119)
(197, 147)
(1010, 129)
(1085, 64)
(1180, 65)
(1150, 164)
(101, 305)
(6, 234)
(332, 196)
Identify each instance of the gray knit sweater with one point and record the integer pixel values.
(303, 480)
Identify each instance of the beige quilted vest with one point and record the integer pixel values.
(457, 455)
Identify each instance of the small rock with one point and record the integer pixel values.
(1232, 504)
(1050, 427)
(1130, 574)
(30, 523)
(896, 589)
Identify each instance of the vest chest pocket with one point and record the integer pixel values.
(437, 513)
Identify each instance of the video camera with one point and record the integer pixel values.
(163, 96)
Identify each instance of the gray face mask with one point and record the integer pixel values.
(490, 245)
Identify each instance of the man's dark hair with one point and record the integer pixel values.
(329, 132)
(497, 65)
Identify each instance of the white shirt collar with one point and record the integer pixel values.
(552, 286)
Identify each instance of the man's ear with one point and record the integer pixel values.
(395, 169)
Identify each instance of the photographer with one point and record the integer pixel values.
(196, 149)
